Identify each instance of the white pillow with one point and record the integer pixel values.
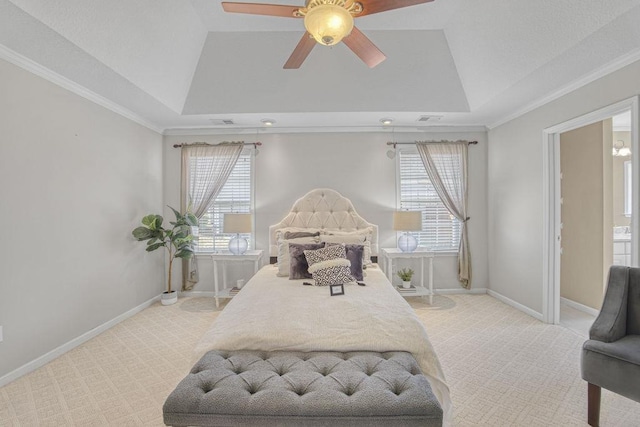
(280, 232)
(357, 239)
(283, 252)
(365, 231)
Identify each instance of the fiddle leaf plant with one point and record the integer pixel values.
(177, 240)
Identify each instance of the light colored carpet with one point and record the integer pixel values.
(503, 367)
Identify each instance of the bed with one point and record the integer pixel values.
(285, 353)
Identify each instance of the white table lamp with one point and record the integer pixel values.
(407, 221)
(237, 223)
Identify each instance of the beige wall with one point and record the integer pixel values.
(76, 179)
(583, 191)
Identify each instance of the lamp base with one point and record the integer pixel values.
(238, 245)
(407, 243)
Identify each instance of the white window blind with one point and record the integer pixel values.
(235, 197)
(440, 229)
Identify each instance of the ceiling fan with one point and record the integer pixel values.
(328, 22)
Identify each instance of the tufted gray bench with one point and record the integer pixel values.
(303, 389)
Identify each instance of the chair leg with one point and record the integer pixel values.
(593, 394)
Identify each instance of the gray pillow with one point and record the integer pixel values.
(297, 234)
(355, 255)
(298, 265)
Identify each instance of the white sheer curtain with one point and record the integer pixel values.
(205, 170)
(446, 165)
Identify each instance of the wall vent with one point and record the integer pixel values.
(429, 118)
(221, 122)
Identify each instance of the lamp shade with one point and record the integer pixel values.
(328, 23)
(237, 223)
(407, 220)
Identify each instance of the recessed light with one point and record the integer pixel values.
(386, 121)
(268, 122)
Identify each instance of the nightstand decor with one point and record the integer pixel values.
(407, 221)
(389, 255)
(237, 223)
(221, 261)
(337, 289)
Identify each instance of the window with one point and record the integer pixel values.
(235, 197)
(440, 229)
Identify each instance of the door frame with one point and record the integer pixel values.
(551, 198)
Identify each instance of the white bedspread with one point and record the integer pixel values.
(277, 314)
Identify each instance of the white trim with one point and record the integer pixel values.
(592, 117)
(515, 305)
(59, 351)
(550, 225)
(551, 198)
(553, 297)
(547, 232)
(603, 71)
(59, 80)
(635, 180)
(580, 307)
(199, 130)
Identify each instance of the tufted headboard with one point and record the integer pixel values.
(325, 209)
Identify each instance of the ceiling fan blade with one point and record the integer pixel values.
(261, 9)
(370, 7)
(301, 52)
(364, 48)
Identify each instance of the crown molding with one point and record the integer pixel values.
(601, 72)
(182, 131)
(33, 67)
(59, 80)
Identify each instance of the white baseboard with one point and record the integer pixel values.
(59, 351)
(516, 305)
(579, 307)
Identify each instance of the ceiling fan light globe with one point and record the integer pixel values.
(328, 23)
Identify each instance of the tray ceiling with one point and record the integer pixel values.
(187, 64)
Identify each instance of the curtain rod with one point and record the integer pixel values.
(185, 144)
(427, 142)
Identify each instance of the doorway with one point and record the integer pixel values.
(590, 242)
(591, 209)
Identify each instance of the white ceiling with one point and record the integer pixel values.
(179, 64)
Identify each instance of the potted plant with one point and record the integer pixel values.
(177, 240)
(405, 275)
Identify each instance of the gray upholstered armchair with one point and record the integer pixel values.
(611, 357)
